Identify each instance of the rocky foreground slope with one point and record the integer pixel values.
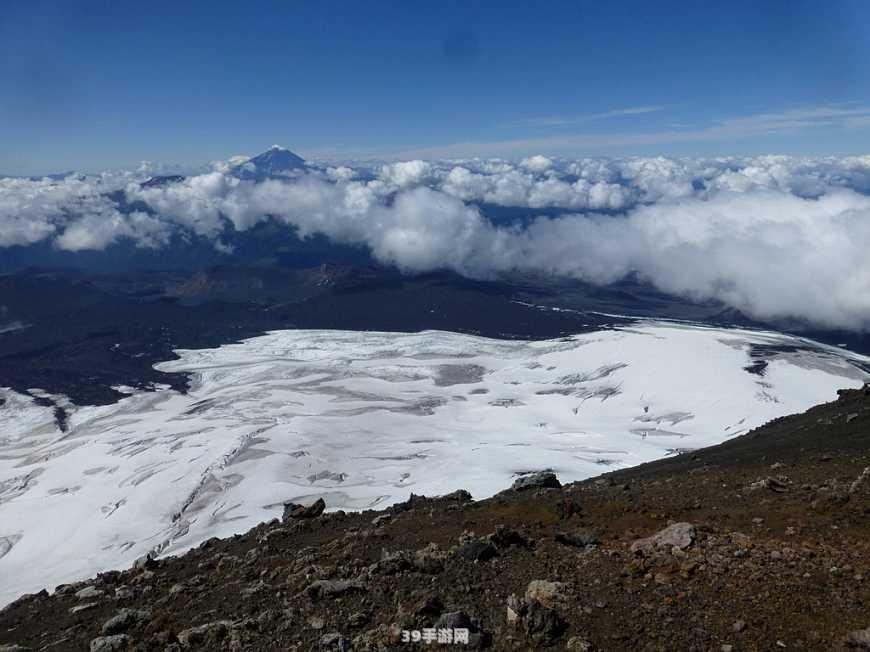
(762, 543)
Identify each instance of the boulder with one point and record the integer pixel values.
(477, 551)
(540, 480)
(124, 620)
(110, 643)
(549, 594)
(504, 538)
(332, 588)
(208, 635)
(579, 538)
(677, 535)
(542, 624)
(292, 510)
(89, 592)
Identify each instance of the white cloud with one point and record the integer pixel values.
(727, 129)
(537, 163)
(774, 236)
(96, 232)
(405, 173)
(556, 121)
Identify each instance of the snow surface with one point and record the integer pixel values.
(365, 418)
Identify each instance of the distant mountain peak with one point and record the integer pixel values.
(275, 162)
(162, 180)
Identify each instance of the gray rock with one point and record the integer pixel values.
(542, 624)
(453, 620)
(549, 594)
(110, 643)
(515, 609)
(292, 510)
(145, 562)
(540, 480)
(334, 641)
(15, 648)
(359, 619)
(678, 535)
(429, 559)
(477, 551)
(578, 644)
(207, 635)
(392, 563)
(332, 588)
(124, 620)
(860, 639)
(504, 538)
(89, 592)
(579, 538)
(739, 626)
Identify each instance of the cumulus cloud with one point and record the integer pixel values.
(537, 163)
(776, 237)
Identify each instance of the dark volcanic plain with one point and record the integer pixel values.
(763, 544)
(80, 333)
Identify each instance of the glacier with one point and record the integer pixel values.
(363, 419)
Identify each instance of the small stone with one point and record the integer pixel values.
(334, 641)
(860, 638)
(292, 510)
(83, 607)
(332, 588)
(453, 620)
(579, 538)
(504, 538)
(547, 593)
(739, 626)
(110, 643)
(359, 619)
(480, 551)
(124, 620)
(429, 607)
(207, 635)
(513, 610)
(88, 592)
(145, 562)
(542, 624)
(429, 559)
(578, 644)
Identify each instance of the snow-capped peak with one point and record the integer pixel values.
(276, 161)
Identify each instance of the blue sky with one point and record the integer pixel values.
(90, 85)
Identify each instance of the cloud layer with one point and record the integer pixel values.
(776, 237)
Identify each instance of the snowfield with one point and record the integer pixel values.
(363, 419)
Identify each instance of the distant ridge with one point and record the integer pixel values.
(159, 181)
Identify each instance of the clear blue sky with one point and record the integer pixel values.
(89, 85)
